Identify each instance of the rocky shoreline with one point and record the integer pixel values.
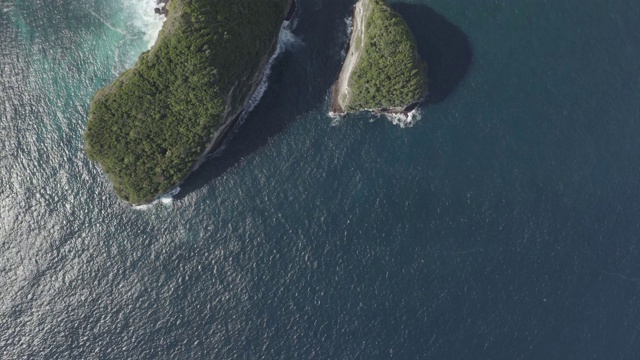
(405, 111)
(162, 8)
(230, 120)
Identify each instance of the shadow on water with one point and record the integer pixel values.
(300, 80)
(444, 47)
(298, 84)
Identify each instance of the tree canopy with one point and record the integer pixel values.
(390, 72)
(149, 127)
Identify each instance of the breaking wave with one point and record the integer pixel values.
(286, 41)
(403, 120)
(146, 22)
(166, 199)
(349, 22)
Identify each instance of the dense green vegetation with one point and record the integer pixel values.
(390, 72)
(148, 128)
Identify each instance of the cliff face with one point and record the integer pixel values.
(382, 71)
(153, 125)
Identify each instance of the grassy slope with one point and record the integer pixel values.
(389, 73)
(149, 127)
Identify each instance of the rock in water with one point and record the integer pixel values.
(383, 71)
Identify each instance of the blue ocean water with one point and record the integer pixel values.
(502, 225)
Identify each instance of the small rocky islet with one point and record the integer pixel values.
(383, 71)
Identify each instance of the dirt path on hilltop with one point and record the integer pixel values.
(342, 92)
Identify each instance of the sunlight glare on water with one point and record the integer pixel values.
(500, 226)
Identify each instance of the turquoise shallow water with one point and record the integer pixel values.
(502, 225)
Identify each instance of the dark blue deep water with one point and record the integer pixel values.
(505, 224)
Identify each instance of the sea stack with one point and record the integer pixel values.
(156, 122)
(383, 71)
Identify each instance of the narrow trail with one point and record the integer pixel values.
(362, 10)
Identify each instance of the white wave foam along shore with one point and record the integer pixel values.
(403, 120)
(166, 200)
(349, 22)
(286, 41)
(145, 21)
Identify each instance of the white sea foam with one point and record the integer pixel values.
(286, 41)
(401, 120)
(166, 200)
(145, 21)
(349, 22)
(144, 207)
(135, 20)
(336, 119)
(405, 121)
(168, 197)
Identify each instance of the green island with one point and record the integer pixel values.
(383, 71)
(154, 124)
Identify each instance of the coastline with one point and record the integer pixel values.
(399, 111)
(229, 121)
(341, 90)
(341, 87)
(293, 6)
(162, 7)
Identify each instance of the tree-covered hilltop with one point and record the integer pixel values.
(389, 73)
(150, 126)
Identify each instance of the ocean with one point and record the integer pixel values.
(502, 223)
